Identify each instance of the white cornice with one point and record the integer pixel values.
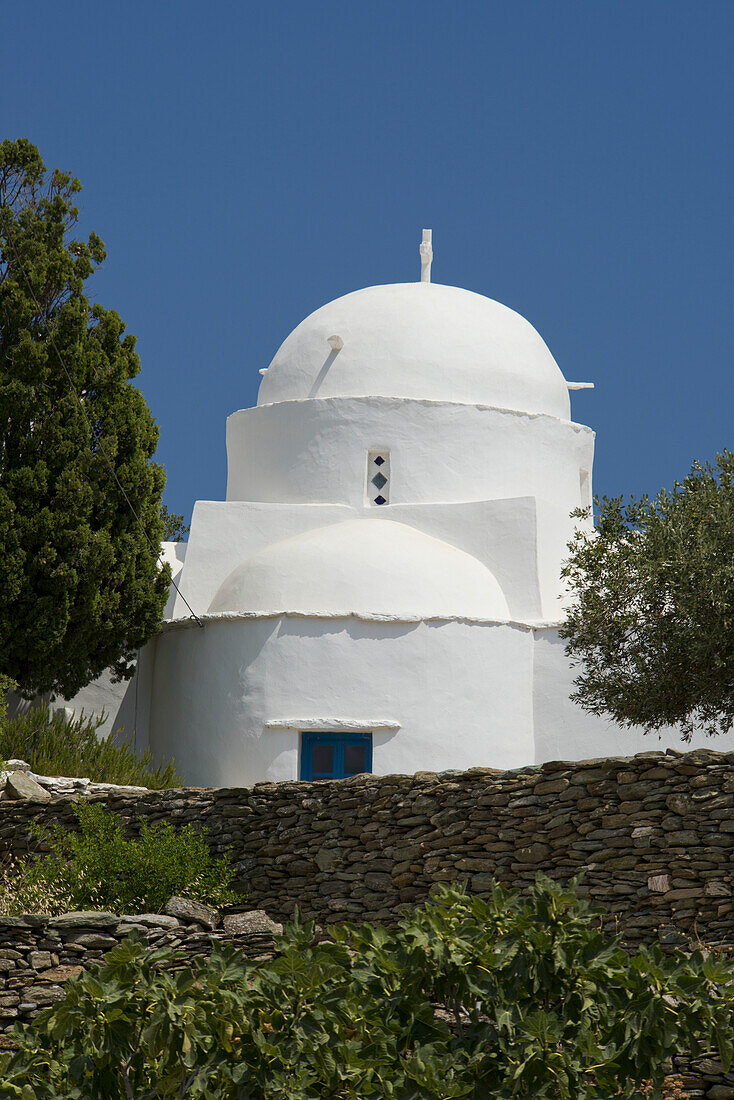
(245, 616)
(426, 401)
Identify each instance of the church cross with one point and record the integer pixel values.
(426, 251)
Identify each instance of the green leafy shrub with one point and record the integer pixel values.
(100, 868)
(467, 998)
(54, 745)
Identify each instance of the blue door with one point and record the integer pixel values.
(335, 755)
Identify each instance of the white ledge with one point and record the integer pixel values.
(245, 616)
(331, 725)
(426, 401)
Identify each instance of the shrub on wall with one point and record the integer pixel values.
(54, 745)
(100, 868)
(468, 998)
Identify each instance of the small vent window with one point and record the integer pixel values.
(378, 477)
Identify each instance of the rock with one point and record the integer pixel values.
(720, 1092)
(17, 766)
(83, 919)
(551, 786)
(255, 922)
(672, 938)
(40, 960)
(717, 890)
(711, 1066)
(148, 920)
(658, 884)
(326, 858)
(191, 912)
(60, 974)
(534, 854)
(94, 941)
(678, 803)
(19, 785)
(128, 927)
(377, 880)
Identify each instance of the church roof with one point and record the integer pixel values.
(418, 340)
(371, 568)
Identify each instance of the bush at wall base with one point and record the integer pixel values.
(507, 997)
(100, 868)
(55, 745)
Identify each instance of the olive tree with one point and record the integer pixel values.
(651, 621)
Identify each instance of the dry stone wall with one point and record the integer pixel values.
(652, 834)
(38, 954)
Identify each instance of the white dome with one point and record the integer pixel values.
(375, 569)
(423, 341)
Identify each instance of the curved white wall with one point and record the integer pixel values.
(460, 694)
(564, 731)
(370, 567)
(311, 452)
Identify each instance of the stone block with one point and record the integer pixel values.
(189, 912)
(535, 853)
(658, 884)
(81, 919)
(254, 922)
(19, 785)
(93, 941)
(41, 960)
(59, 973)
(149, 920)
(714, 889)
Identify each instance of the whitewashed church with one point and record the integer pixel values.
(380, 590)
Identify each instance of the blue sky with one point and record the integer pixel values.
(245, 163)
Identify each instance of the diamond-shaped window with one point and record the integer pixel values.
(379, 460)
(380, 500)
(379, 480)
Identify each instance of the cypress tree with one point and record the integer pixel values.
(80, 586)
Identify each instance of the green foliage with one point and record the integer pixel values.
(6, 685)
(467, 998)
(55, 745)
(80, 588)
(652, 622)
(174, 528)
(100, 868)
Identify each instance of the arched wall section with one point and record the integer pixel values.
(309, 452)
(229, 699)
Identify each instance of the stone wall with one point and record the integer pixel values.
(653, 835)
(38, 954)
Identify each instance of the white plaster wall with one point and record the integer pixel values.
(369, 567)
(555, 531)
(315, 451)
(461, 694)
(563, 731)
(223, 534)
(501, 534)
(173, 554)
(522, 541)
